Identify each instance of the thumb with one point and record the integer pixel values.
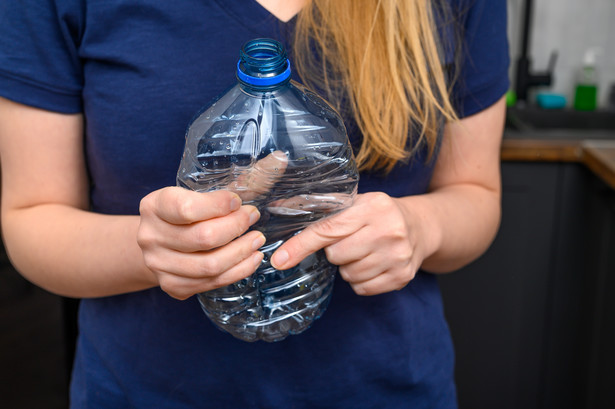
(315, 237)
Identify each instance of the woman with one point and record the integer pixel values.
(96, 98)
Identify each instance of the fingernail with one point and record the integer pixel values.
(254, 216)
(258, 242)
(235, 203)
(280, 257)
(257, 258)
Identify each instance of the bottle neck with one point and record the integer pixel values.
(263, 65)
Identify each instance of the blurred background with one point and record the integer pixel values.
(571, 29)
(533, 320)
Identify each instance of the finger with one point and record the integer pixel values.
(182, 287)
(361, 270)
(211, 233)
(261, 178)
(315, 237)
(177, 205)
(383, 283)
(239, 271)
(356, 247)
(209, 263)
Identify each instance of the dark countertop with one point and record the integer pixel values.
(595, 149)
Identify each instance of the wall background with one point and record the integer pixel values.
(569, 27)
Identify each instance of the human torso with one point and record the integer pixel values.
(139, 71)
(138, 99)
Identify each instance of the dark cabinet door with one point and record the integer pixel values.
(600, 349)
(519, 314)
(497, 306)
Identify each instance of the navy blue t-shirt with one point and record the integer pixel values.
(139, 70)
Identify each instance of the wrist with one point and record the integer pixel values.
(422, 221)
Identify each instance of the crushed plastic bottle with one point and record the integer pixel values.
(283, 149)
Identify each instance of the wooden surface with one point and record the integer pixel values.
(597, 155)
(541, 150)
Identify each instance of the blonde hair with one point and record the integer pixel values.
(381, 60)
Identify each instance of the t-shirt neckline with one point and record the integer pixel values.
(251, 14)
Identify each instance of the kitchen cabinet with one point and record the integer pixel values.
(532, 321)
(600, 381)
(32, 362)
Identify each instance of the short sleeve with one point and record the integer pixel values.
(484, 61)
(39, 61)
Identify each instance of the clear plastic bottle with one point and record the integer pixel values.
(283, 149)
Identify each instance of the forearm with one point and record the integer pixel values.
(76, 253)
(461, 213)
(459, 222)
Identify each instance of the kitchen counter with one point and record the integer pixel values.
(594, 149)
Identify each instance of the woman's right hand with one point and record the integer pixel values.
(195, 242)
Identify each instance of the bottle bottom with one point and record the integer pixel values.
(272, 304)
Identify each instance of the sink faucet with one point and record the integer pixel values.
(525, 78)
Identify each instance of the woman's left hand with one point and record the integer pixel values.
(377, 244)
(380, 242)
